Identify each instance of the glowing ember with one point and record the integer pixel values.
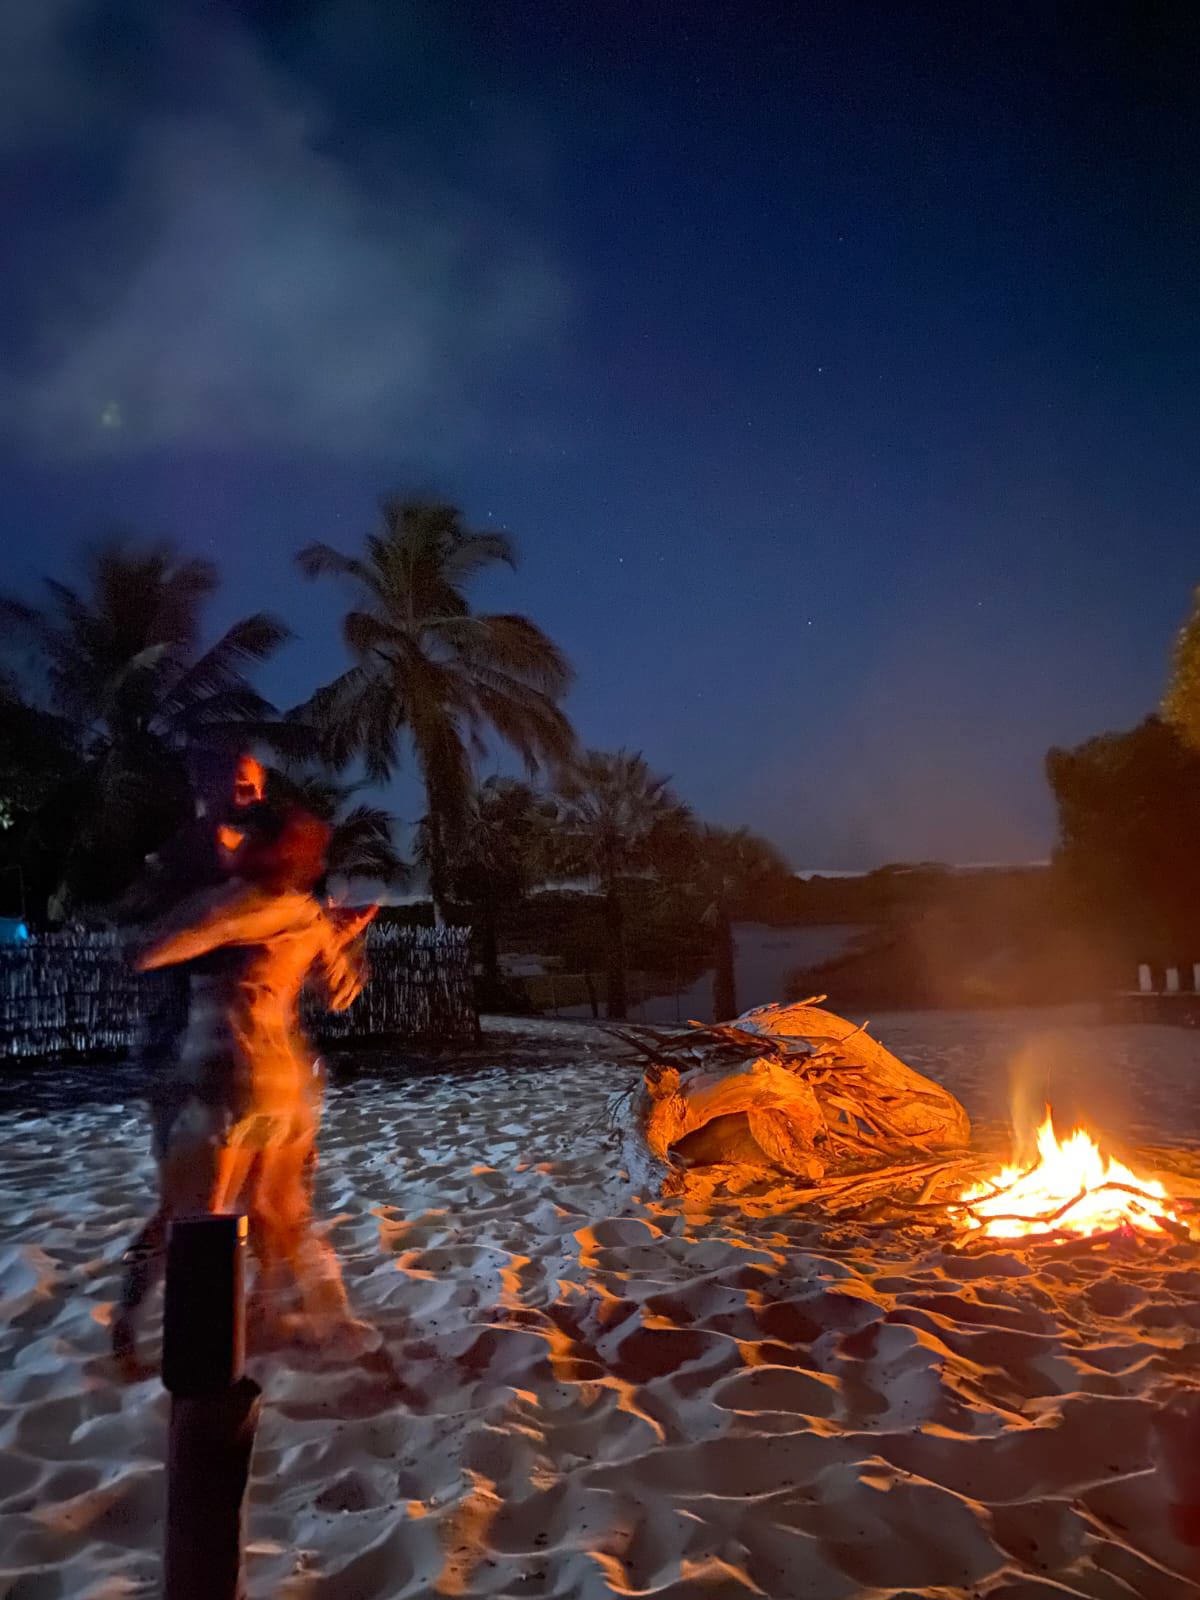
(1072, 1189)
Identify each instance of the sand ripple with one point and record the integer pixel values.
(581, 1395)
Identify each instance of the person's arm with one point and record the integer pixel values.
(341, 963)
(233, 914)
(348, 924)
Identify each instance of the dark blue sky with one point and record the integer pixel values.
(835, 367)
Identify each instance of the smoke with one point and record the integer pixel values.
(1030, 1092)
(1078, 1074)
(254, 273)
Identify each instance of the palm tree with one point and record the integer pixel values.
(429, 668)
(730, 865)
(505, 853)
(118, 661)
(361, 844)
(616, 820)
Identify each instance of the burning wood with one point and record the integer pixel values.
(799, 1097)
(1072, 1189)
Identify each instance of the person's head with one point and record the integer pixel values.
(223, 778)
(286, 852)
(237, 783)
(249, 780)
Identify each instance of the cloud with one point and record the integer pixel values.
(250, 282)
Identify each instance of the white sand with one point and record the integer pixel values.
(600, 1397)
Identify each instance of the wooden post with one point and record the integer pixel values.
(214, 1408)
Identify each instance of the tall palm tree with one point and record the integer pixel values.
(730, 865)
(118, 660)
(616, 820)
(429, 669)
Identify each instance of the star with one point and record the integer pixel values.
(111, 417)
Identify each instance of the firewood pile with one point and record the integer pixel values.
(797, 1095)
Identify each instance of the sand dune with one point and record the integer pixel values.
(583, 1395)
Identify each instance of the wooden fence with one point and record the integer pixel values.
(72, 993)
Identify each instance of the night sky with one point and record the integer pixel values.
(835, 366)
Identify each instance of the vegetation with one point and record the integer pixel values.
(732, 868)
(430, 669)
(616, 821)
(505, 853)
(1129, 818)
(115, 689)
(1181, 702)
(361, 844)
(112, 697)
(110, 694)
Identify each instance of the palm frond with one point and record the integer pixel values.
(321, 560)
(529, 723)
(469, 554)
(511, 644)
(364, 632)
(356, 715)
(362, 846)
(220, 670)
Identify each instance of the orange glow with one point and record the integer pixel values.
(249, 781)
(229, 839)
(1073, 1188)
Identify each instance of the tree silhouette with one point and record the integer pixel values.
(616, 820)
(118, 662)
(1181, 702)
(430, 669)
(731, 866)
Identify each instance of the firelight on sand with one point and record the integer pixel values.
(1073, 1188)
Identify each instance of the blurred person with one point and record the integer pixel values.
(228, 789)
(245, 1130)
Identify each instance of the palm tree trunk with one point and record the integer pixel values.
(724, 978)
(614, 941)
(489, 950)
(437, 864)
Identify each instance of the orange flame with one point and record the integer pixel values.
(1072, 1189)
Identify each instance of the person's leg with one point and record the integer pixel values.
(145, 1259)
(144, 1263)
(186, 1175)
(250, 1168)
(265, 1296)
(327, 1318)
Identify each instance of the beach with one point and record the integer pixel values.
(586, 1392)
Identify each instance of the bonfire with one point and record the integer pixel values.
(1072, 1188)
(797, 1097)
